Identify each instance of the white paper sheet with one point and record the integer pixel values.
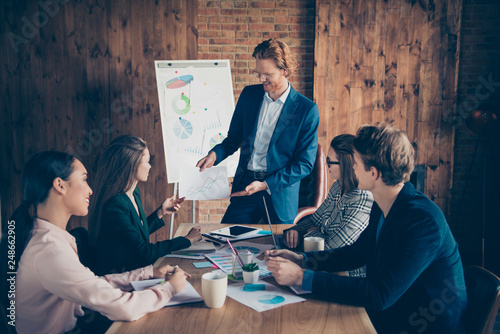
(186, 296)
(210, 184)
(272, 297)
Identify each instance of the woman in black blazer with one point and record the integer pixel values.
(119, 228)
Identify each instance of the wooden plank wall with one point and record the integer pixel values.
(379, 60)
(84, 76)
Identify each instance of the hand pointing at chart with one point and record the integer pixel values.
(207, 161)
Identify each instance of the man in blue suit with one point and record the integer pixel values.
(276, 129)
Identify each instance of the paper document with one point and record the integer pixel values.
(212, 183)
(259, 300)
(186, 296)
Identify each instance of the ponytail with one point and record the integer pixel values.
(39, 174)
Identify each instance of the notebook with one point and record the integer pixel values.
(186, 296)
(201, 247)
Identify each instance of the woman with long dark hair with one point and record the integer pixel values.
(118, 226)
(51, 284)
(345, 212)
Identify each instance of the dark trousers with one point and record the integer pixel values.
(250, 209)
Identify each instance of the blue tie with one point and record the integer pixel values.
(379, 226)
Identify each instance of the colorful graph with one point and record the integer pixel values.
(271, 299)
(192, 150)
(179, 82)
(206, 185)
(183, 128)
(216, 140)
(181, 104)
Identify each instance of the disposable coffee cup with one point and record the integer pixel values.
(314, 244)
(246, 256)
(214, 289)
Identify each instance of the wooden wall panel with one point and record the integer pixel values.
(393, 60)
(84, 77)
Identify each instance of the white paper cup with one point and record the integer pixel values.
(214, 289)
(246, 256)
(314, 244)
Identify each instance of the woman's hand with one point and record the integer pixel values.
(171, 205)
(292, 238)
(194, 235)
(177, 279)
(161, 272)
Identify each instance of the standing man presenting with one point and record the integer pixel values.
(276, 129)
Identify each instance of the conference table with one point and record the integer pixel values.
(310, 316)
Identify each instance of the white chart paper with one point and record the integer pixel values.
(210, 184)
(272, 297)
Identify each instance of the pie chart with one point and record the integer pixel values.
(215, 140)
(183, 128)
(271, 299)
(181, 104)
(179, 82)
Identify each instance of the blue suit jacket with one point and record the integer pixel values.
(414, 277)
(292, 150)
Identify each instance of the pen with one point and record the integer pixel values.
(173, 271)
(235, 252)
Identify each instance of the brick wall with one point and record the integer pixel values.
(231, 30)
(478, 88)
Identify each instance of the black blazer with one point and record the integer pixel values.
(123, 243)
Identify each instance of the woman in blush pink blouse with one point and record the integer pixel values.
(51, 283)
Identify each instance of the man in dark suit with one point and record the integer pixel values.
(414, 277)
(276, 129)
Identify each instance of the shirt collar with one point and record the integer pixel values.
(45, 225)
(282, 98)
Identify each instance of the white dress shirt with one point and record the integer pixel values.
(270, 112)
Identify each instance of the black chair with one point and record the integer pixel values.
(483, 292)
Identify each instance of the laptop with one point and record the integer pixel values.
(278, 240)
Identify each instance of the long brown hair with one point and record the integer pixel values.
(116, 173)
(343, 147)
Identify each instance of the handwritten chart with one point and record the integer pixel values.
(196, 106)
(209, 184)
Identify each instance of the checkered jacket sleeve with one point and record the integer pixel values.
(322, 212)
(342, 223)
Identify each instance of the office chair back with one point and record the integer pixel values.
(313, 188)
(483, 293)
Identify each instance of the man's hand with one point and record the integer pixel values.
(314, 228)
(252, 188)
(285, 271)
(169, 206)
(207, 161)
(285, 254)
(292, 238)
